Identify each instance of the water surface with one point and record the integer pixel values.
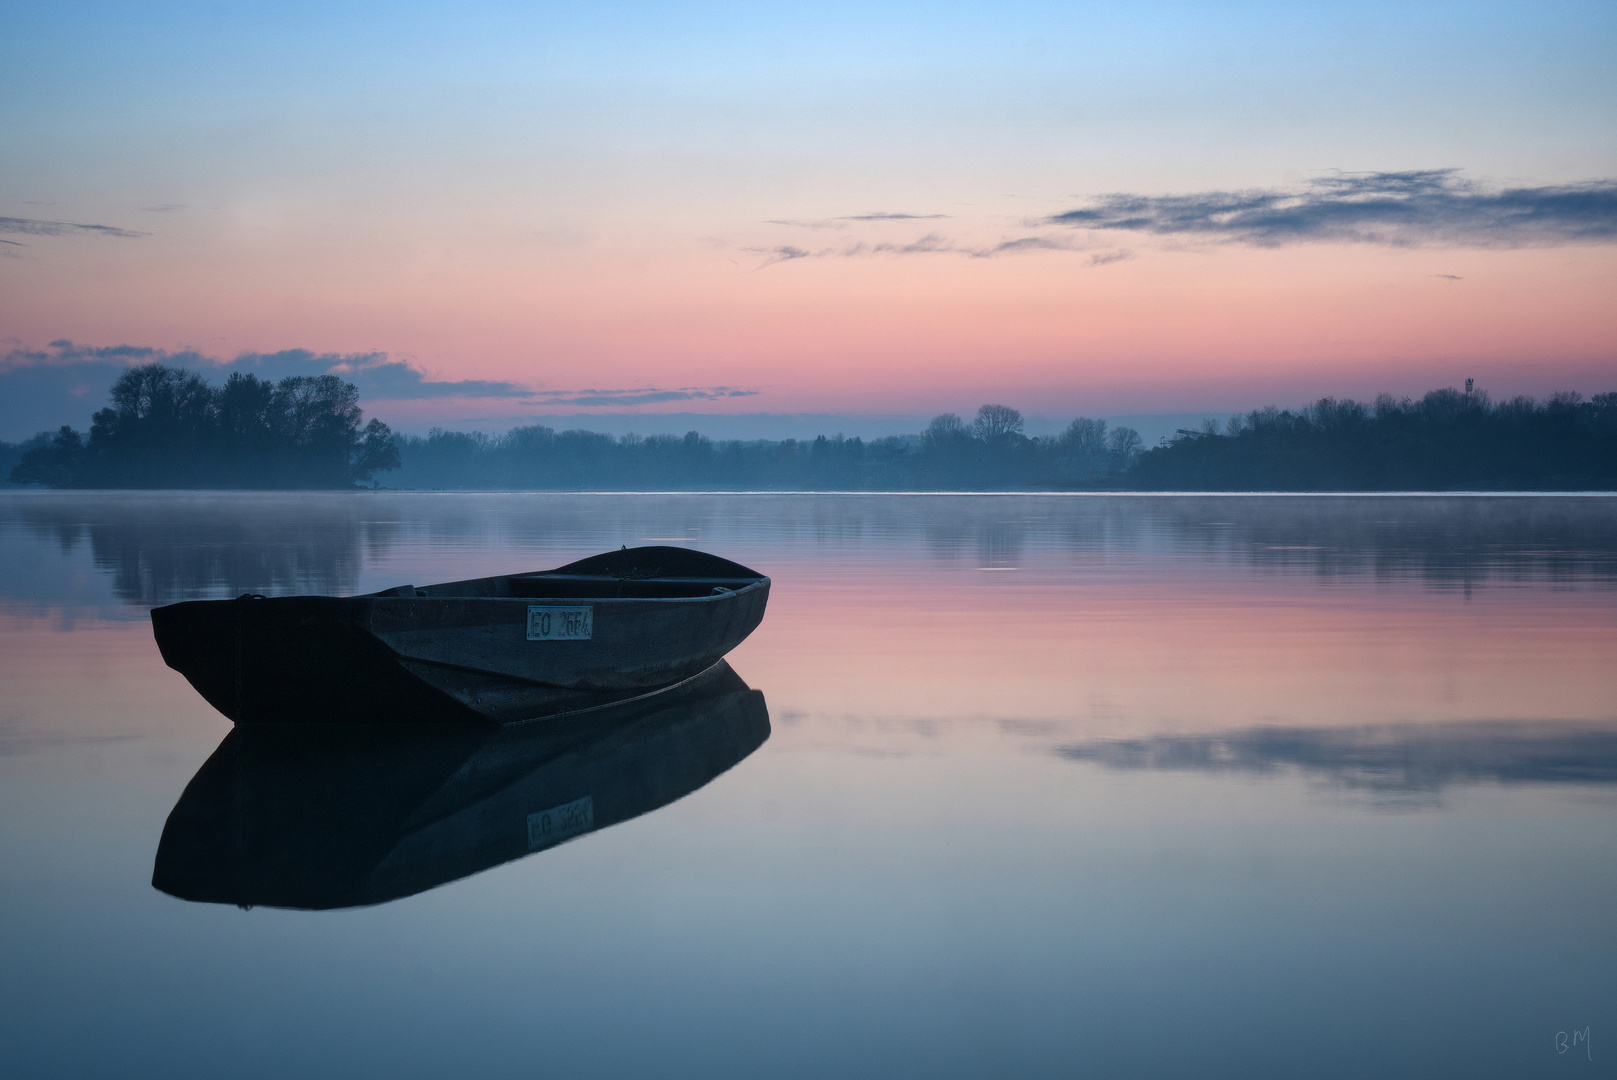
(1051, 786)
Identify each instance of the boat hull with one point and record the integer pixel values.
(383, 658)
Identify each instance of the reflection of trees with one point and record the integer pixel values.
(1397, 759)
(168, 548)
(162, 547)
(1446, 540)
(995, 543)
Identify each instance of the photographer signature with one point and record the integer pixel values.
(1562, 1044)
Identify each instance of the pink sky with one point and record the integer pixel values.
(1215, 327)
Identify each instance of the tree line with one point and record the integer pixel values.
(990, 452)
(1447, 440)
(166, 427)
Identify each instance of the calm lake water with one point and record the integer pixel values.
(1052, 787)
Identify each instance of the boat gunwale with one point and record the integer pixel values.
(383, 595)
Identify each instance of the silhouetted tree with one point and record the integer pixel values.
(53, 464)
(166, 427)
(1448, 439)
(997, 423)
(1124, 446)
(945, 432)
(314, 422)
(1081, 449)
(377, 452)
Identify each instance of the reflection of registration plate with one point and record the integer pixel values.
(552, 826)
(560, 623)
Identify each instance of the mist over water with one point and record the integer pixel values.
(1052, 786)
(162, 547)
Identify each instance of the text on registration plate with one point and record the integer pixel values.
(560, 623)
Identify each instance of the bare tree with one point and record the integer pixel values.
(945, 430)
(997, 423)
(1124, 444)
(1085, 438)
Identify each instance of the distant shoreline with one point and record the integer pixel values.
(1594, 493)
(169, 429)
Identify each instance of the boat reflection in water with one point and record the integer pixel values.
(341, 816)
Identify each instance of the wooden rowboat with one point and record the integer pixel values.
(497, 650)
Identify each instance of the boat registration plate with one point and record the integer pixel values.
(560, 623)
(546, 827)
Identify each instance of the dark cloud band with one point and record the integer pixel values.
(31, 227)
(1404, 209)
(377, 377)
(65, 382)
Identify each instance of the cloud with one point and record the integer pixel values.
(62, 384)
(930, 244)
(374, 374)
(892, 217)
(1397, 758)
(785, 253)
(1402, 209)
(1451, 277)
(32, 227)
(1024, 243)
(63, 354)
(842, 222)
(829, 223)
(65, 382)
(937, 244)
(646, 396)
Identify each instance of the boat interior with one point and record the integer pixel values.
(659, 573)
(554, 586)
